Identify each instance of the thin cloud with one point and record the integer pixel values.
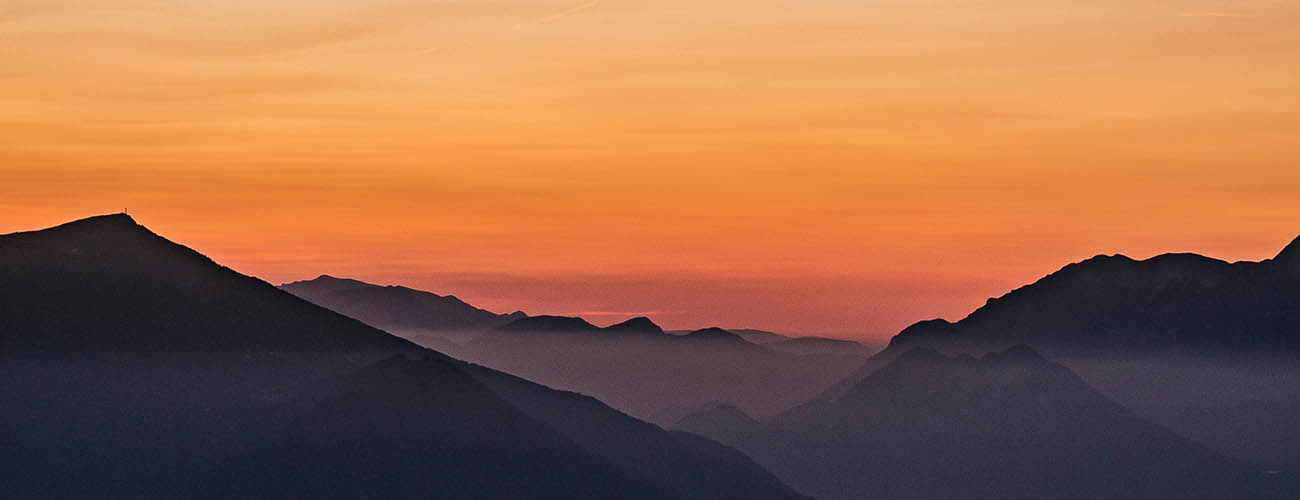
(558, 15)
(620, 313)
(1213, 14)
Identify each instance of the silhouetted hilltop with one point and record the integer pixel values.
(1172, 303)
(1205, 347)
(325, 285)
(132, 367)
(714, 334)
(106, 283)
(403, 311)
(637, 325)
(1008, 425)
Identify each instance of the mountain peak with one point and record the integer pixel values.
(118, 218)
(639, 324)
(324, 284)
(98, 223)
(714, 333)
(325, 278)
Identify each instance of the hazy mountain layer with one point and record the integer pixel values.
(638, 368)
(1010, 425)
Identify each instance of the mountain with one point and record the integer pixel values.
(749, 334)
(819, 345)
(1169, 304)
(420, 316)
(796, 345)
(638, 368)
(1008, 425)
(132, 367)
(548, 324)
(1208, 348)
(759, 336)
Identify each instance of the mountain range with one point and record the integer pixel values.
(1208, 348)
(637, 367)
(133, 367)
(1008, 425)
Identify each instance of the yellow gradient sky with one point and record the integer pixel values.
(820, 166)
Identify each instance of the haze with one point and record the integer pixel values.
(818, 166)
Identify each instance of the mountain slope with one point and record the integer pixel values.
(132, 367)
(1208, 348)
(1010, 425)
(1173, 303)
(637, 367)
(399, 310)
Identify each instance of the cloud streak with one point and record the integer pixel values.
(559, 15)
(621, 313)
(1212, 14)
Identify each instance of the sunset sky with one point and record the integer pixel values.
(839, 167)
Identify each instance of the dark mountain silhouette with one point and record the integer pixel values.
(1210, 349)
(716, 334)
(132, 367)
(1173, 303)
(639, 325)
(417, 315)
(1009, 425)
(637, 367)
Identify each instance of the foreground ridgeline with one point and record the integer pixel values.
(132, 367)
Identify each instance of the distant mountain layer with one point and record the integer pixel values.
(399, 309)
(749, 334)
(132, 367)
(795, 345)
(1009, 425)
(1173, 303)
(637, 367)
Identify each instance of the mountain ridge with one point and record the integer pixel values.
(143, 369)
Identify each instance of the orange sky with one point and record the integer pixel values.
(821, 166)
